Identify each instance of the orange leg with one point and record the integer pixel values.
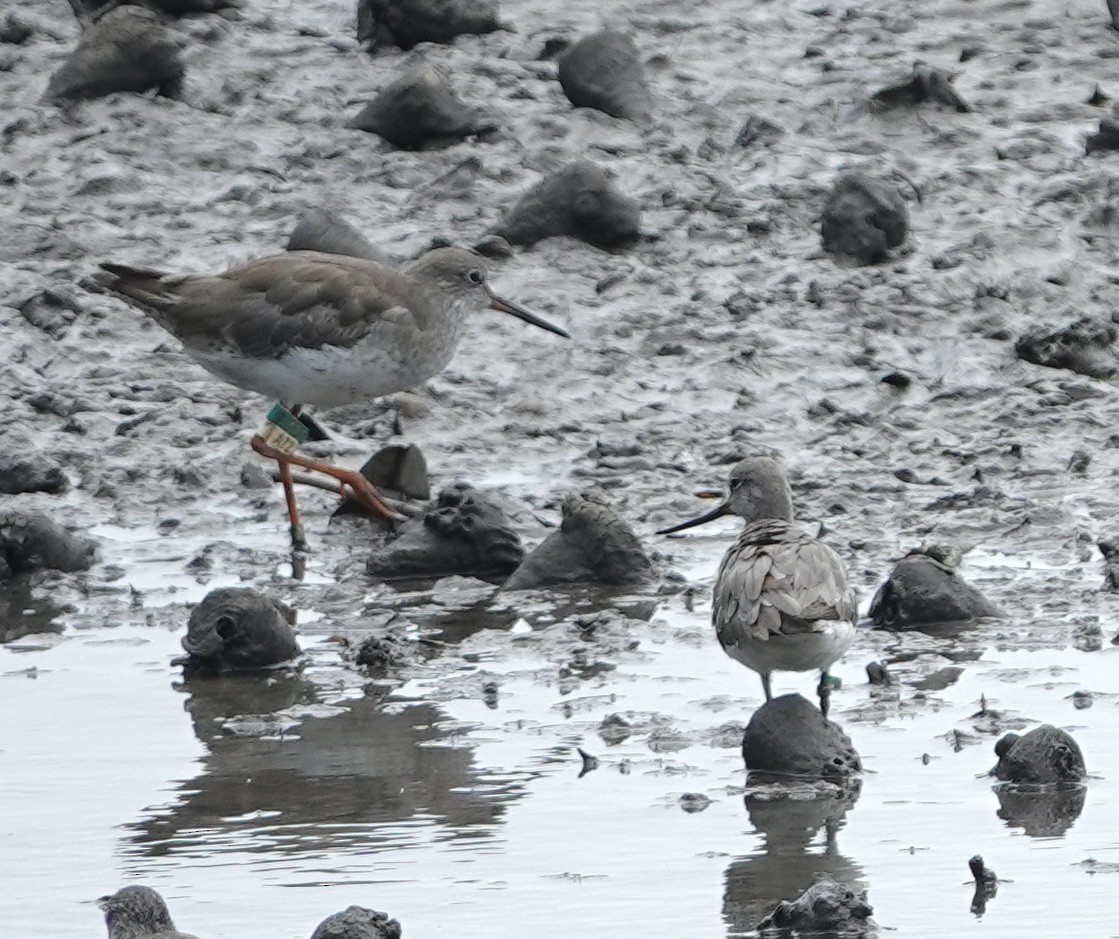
(360, 487)
(298, 539)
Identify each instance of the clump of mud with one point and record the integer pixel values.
(128, 49)
(592, 545)
(420, 108)
(237, 629)
(1046, 754)
(825, 907)
(358, 922)
(579, 201)
(922, 591)
(32, 542)
(788, 736)
(465, 532)
(864, 218)
(604, 71)
(405, 23)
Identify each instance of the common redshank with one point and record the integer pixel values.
(307, 328)
(138, 913)
(781, 600)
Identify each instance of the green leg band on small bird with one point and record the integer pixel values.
(824, 690)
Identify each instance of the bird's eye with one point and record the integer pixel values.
(475, 276)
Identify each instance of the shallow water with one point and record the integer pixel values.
(428, 803)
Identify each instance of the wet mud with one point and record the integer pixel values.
(954, 387)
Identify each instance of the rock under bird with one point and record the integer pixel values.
(307, 328)
(781, 600)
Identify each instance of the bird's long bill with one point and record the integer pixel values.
(515, 309)
(723, 508)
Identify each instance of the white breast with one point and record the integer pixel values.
(795, 652)
(329, 376)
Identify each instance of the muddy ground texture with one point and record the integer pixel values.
(893, 392)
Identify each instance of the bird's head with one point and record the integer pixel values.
(462, 274)
(757, 489)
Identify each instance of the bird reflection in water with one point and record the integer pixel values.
(786, 864)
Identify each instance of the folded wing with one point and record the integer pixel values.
(776, 579)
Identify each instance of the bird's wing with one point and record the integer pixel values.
(776, 579)
(299, 299)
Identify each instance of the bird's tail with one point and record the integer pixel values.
(145, 287)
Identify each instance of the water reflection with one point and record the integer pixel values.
(538, 608)
(1040, 813)
(22, 613)
(335, 784)
(788, 861)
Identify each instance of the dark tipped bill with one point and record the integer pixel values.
(723, 508)
(515, 309)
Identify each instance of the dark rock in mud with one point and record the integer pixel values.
(878, 674)
(400, 471)
(924, 85)
(604, 71)
(405, 23)
(578, 201)
(592, 545)
(757, 129)
(863, 219)
(1085, 347)
(464, 533)
(357, 922)
(1107, 137)
(1041, 812)
(379, 653)
(95, 9)
(420, 108)
(494, 246)
(30, 542)
(1109, 548)
(326, 231)
(825, 907)
(254, 476)
(236, 629)
(128, 49)
(1045, 755)
(788, 736)
(22, 471)
(51, 310)
(614, 729)
(924, 592)
(14, 30)
(138, 913)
